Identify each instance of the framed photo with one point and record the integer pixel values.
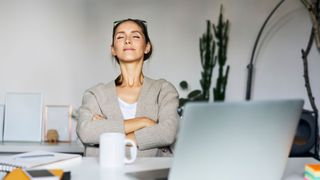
(58, 117)
(1, 121)
(23, 116)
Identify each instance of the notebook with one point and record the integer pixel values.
(235, 140)
(35, 159)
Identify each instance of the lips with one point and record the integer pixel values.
(128, 49)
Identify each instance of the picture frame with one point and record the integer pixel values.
(59, 118)
(23, 116)
(1, 121)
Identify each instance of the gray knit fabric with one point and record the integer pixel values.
(158, 101)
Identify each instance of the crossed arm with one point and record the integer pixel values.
(132, 125)
(148, 133)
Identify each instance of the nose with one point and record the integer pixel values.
(128, 41)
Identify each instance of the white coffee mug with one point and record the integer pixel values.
(112, 150)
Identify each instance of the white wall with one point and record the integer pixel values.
(63, 47)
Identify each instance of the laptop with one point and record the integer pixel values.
(235, 140)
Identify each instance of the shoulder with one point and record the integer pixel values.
(101, 88)
(161, 84)
(165, 93)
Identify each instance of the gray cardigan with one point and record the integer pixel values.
(158, 100)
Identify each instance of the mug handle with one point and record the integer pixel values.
(133, 151)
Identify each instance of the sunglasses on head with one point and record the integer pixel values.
(135, 20)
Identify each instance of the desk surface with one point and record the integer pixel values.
(295, 168)
(19, 147)
(89, 168)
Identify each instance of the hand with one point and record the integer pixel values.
(135, 124)
(132, 137)
(97, 117)
(148, 122)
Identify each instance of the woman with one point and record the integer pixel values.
(142, 108)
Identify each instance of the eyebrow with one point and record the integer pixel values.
(134, 31)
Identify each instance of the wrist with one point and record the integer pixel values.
(148, 122)
(145, 121)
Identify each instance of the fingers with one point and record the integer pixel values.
(131, 136)
(149, 122)
(97, 117)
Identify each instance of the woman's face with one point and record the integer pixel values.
(129, 43)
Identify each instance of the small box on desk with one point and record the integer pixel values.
(21, 174)
(312, 172)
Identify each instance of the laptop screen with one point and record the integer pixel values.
(235, 140)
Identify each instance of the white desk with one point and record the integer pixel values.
(18, 147)
(89, 168)
(295, 168)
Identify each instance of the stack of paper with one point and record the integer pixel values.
(312, 172)
(35, 159)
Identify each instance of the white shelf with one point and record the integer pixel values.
(19, 147)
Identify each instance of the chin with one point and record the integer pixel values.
(128, 60)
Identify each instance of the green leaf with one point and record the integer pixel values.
(194, 93)
(184, 85)
(182, 101)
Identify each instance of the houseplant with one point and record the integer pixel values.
(213, 46)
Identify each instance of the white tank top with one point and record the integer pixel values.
(128, 110)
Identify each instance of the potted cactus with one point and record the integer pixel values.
(215, 37)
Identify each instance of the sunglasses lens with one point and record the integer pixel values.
(138, 20)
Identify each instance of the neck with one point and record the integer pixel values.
(131, 74)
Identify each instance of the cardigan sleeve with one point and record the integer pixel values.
(89, 130)
(164, 132)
